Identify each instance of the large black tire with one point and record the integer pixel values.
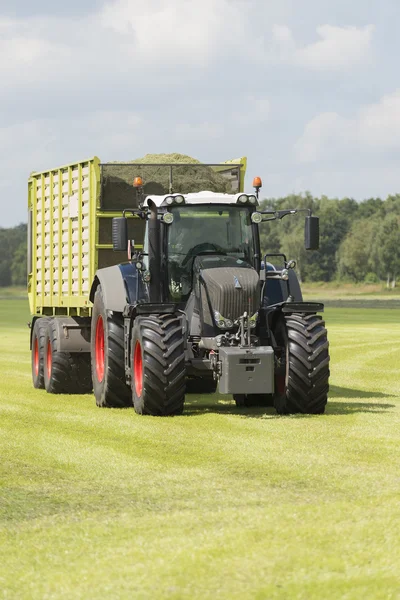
(64, 372)
(302, 381)
(251, 400)
(201, 385)
(108, 356)
(37, 353)
(158, 365)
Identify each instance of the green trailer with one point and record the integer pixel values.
(70, 212)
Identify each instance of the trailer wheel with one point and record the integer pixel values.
(158, 365)
(64, 372)
(37, 354)
(201, 385)
(108, 356)
(302, 379)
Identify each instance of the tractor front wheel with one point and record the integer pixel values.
(158, 365)
(302, 375)
(108, 357)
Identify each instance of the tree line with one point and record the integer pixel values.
(13, 255)
(359, 241)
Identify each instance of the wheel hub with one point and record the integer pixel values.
(138, 369)
(99, 349)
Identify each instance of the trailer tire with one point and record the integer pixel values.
(37, 353)
(302, 383)
(201, 385)
(252, 400)
(108, 356)
(158, 365)
(64, 372)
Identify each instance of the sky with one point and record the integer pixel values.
(308, 90)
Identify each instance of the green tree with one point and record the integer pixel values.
(19, 265)
(388, 248)
(10, 240)
(354, 257)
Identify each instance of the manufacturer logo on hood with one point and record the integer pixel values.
(237, 283)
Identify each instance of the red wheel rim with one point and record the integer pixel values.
(99, 349)
(49, 362)
(36, 357)
(138, 369)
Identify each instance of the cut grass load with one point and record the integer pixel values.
(218, 503)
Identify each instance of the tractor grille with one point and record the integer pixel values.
(232, 291)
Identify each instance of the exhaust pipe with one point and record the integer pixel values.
(154, 254)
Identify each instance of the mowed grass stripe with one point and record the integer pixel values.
(218, 503)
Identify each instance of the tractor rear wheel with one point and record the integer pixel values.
(302, 379)
(37, 357)
(64, 372)
(158, 365)
(108, 356)
(249, 400)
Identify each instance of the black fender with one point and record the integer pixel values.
(120, 284)
(277, 291)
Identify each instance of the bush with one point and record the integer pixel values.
(371, 278)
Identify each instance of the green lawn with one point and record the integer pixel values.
(218, 503)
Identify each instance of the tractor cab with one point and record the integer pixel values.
(216, 227)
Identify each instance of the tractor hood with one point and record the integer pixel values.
(229, 286)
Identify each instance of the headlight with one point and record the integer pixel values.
(243, 198)
(252, 199)
(256, 217)
(179, 199)
(285, 274)
(169, 200)
(222, 322)
(253, 320)
(168, 218)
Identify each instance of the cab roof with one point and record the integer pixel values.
(205, 197)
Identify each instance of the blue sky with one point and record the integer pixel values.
(309, 91)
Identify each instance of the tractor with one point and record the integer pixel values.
(197, 308)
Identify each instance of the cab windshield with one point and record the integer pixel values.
(225, 230)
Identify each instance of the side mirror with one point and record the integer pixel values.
(120, 234)
(311, 233)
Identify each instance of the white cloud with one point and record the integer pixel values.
(322, 136)
(23, 59)
(339, 47)
(374, 129)
(155, 40)
(183, 32)
(378, 125)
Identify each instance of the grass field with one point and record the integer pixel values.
(351, 295)
(220, 503)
